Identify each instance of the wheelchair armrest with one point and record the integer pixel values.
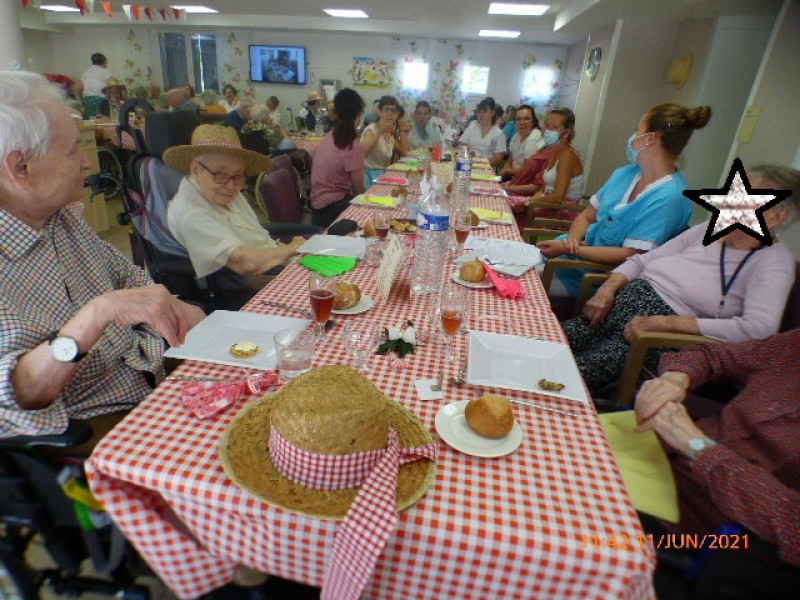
(77, 433)
(291, 228)
(176, 266)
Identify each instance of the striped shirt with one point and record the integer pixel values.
(47, 277)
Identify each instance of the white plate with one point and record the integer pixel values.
(518, 363)
(334, 245)
(485, 284)
(452, 427)
(481, 225)
(363, 306)
(359, 201)
(210, 340)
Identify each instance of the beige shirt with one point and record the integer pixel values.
(380, 156)
(210, 232)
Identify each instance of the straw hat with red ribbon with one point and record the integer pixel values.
(215, 139)
(330, 445)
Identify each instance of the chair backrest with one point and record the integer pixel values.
(791, 314)
(278, 192)
(281, 161)
(255, 141)
(167, 129)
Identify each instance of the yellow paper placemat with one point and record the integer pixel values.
(400, 167)
(382, 200)
(482, 177)
(312, 139)
(491, 215)
(644, 465)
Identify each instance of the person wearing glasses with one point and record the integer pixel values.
(526, 142)
(210, 217)
(380, 142)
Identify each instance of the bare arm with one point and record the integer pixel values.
(357, 179)
(568, 164)
(247, 260)
(496, 158)
(522, 190)
(39, 379)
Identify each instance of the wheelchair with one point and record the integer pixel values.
(34, 509)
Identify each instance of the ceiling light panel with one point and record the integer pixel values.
(519, 10)
(501, 33)
(346, 13)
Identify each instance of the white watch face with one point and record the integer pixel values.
(64, 349)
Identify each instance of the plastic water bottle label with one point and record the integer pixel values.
(433, 222)
(465, 166)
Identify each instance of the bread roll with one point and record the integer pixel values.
(346, 295)
(490, 415)
(472, 271)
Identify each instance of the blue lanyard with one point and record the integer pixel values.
(726, 286)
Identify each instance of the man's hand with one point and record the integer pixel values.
(597, 307)
(152, 305)
(652, 397)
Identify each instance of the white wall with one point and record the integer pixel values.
(571, 75)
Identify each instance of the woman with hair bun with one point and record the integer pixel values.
(482, 137)
(641, 206)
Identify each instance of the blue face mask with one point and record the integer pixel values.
(551, 138)
(631, 152)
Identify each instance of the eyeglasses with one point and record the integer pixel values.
(223, 178)
(523, 119)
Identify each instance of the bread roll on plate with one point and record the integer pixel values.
(490, 415)
(346, 295)
(472, 271)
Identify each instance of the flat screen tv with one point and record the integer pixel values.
(278, 64)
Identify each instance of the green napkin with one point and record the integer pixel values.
(382, 200)
(328, 266)
(480, 177)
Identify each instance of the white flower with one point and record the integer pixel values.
(409, 335)
(394, 333)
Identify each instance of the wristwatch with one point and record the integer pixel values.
(697, 445)
(65, 349)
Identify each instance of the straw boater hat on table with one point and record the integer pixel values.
(215, 139)
(330, 445)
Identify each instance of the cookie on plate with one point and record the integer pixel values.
(244, 349)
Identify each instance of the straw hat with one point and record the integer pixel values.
(113, 83)
(330, 410)
(313, 97)
(215, 139)
(680, 69)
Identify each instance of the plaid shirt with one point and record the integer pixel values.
(47, 277)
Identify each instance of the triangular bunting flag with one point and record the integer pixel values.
(81, 4)
(149, 12)
(163, 13)
(108, 9)
(24, 3)
(177, 13)
(135, 11)
(90, 5)
(126, 8)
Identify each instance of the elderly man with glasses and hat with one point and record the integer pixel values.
(83, 329)
(212, 219)
(310, 110)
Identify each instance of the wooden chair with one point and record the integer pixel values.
(642, 342)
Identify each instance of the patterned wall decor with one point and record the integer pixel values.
(136, 69)
(236, 66)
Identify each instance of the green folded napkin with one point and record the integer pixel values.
(328, 266)
(480, 177)
(382, 200)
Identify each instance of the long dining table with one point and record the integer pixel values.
(550, 520)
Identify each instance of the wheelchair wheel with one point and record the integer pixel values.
(15, 580)
(109, 163)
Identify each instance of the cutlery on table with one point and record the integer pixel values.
(560, 411)
(201, 378)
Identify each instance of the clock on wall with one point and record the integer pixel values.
(593, 62)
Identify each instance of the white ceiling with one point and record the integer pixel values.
(566, 22)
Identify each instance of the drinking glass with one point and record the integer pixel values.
(381, 220)
(462, 223)
(452, 309)
(360, 338)
(321, 294)
(295, 352)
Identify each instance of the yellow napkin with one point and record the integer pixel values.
(644, 466)
(482, 177)
(400, 167)
(312, 139)
(382, 200)
(492, 215)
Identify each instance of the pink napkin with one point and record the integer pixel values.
(515, 200)
(394, 180)
(508, 288)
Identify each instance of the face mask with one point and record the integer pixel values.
(551, 138)
(630, 151)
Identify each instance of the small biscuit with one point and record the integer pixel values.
(244, 349)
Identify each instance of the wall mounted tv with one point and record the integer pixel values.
(278, 64)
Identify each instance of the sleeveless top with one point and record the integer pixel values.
(576, 184)
(380, 156)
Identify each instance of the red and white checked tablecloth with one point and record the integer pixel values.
(520, 526)
(109, 133)
(309, 146)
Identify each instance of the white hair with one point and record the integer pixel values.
(258, 112)
(24, 125)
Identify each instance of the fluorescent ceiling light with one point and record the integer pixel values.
(526, 10)
(346, 13)
(59, 8)
(502, 33)
(195, 9)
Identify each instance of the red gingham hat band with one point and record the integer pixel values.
(224, 143)
(370, 519)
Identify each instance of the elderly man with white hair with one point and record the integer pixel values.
(239, 116)
(81, 328)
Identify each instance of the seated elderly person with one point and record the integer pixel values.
(732, 290)
(743, 464)
(261, 122)
(178, 99)
(239, 116)
(210, 217)
(81, 326)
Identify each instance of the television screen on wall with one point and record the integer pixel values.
(278, 64)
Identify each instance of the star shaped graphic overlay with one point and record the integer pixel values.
(737, 206)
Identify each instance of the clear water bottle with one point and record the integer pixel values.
(319, 127)
(430, 250)
(463, 172)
